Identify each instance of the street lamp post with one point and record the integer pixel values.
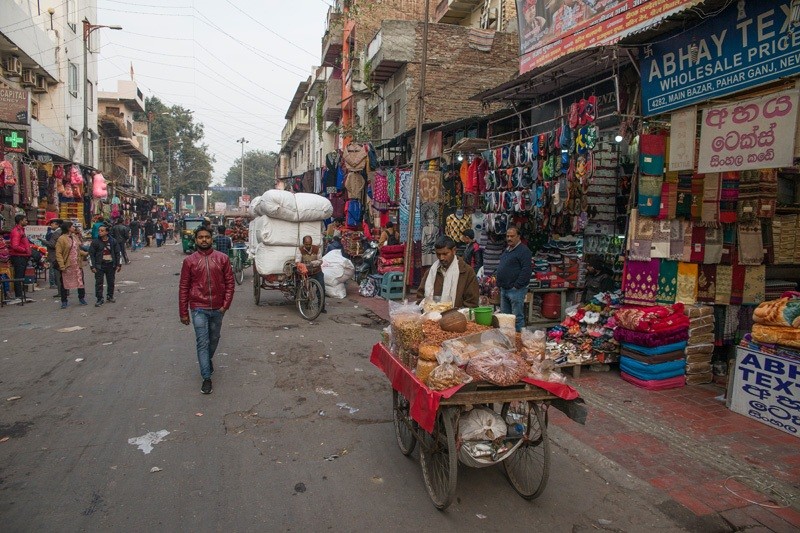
(243, 141)
(88, 28)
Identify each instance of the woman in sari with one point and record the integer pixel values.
(70, 259)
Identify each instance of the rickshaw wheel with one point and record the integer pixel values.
(256, 286)
(310, 298)
(406, 440)
(439, 460)
(528, 468)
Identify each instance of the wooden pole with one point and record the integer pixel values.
(412, 208)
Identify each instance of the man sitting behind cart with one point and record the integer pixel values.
(309, 260)
(452, 280)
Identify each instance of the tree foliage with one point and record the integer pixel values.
(180, 157)
(259, 173)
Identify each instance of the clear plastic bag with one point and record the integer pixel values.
(462, 349)
(481, 424)
(406, 322)
(497, 366)
(534, 345)
(546, 371)
(446, 376)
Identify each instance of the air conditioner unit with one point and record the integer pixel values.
(13, 66)
(41, 85)
(28, 78)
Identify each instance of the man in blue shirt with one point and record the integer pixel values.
(222, 242)
(513, 276)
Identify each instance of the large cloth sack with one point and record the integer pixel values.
(283, 233)
(270, 259)
(253, 207)
(337, 290)
(336, 267)
(294, 207)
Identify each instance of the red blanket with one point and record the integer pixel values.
(654, 318)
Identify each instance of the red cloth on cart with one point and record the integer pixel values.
(424, 402)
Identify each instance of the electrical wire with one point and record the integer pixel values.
(270, 30)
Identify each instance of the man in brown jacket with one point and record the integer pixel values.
(453, 280)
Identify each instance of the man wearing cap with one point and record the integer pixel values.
(473, 253)
(449, 278)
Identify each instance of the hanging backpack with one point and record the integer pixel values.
(353, 213)
(75, 176)
(9, 179)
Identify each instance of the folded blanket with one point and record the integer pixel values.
(699, 358)
(696, 311)
(706, 338)
(699, 379)
(699, 349)
(655, 384)
(652, 339)
(388, 262)
(780, 312)
(666, 370)
(656, 350)
(698, 368)
(652, 318)
(385, 269)
(785, 336)
(660, 358)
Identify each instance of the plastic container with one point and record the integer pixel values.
(551, 305)
(483, 315)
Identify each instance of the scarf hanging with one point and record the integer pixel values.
(737, 284)
(713, 253)
(768, 192)
(751, 247)
(711, 196)
(667, 282)
(649, 195)
(687, 240)
(641, 238)
(724, 281)
(677, 228)
(661, 239)
(707, 284)
(729, 195)
(687, 283)
(698, 244)
(768, 240)
(684, 205)
(697, 197)
(449, 286)
(731, 324)
(669, 196)
(729, 252)
(641, 282)
(754, 285)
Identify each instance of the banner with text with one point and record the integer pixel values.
(748, 135)
(549, 29)
(746, 45)
(682, 136)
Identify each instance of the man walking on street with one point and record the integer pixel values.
(121, 234)
(206, 292)
(20, 252)
(149, 231)
(106, 262)
(513, 276)
(136, 235)
(50, 239)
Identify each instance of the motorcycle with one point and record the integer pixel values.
(367, 262)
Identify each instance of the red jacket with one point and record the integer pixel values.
(19, 245)
(206, 282)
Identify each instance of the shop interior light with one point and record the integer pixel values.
(618, 138)
(460, 156)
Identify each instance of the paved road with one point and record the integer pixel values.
(251, 456)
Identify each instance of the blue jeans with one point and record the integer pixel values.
(207, 327)
(513, 301)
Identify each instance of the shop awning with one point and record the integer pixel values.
(469, 145)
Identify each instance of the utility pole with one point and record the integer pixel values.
(243, 141)
(412, 208)
(88, 28)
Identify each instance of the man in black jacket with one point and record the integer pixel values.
(121, 233)
(104, 258)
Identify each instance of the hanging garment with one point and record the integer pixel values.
(640, 236)
(729, 195)
(354, 183)
(707, 284)
(640, 282)
(380, 191)
(667, 282)
(697, 197)
(355, 157)
(754, 285)
(649, 203)
(455, 225)
(751, 246)
(711, 197)
(687, 283)
(724, 284)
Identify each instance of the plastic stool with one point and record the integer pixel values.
(392, 286)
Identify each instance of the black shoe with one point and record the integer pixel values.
(98, 303)
(110, 299)
(206, 388)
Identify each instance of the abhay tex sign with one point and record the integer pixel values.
(738, 49)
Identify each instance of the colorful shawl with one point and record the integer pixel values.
(684, 206)
(707, 284)
(751, 246)
(713, 254)
(641, 237)
(640, 283)
(649, 195)
(667, 282)
(729, 194)
(669, 197)
(754, 285)
(698, 244)
(737, 284)
(677, 229)
(728, 244)
(687, 240)
(697, 197)
(687, 283)
(724, 284)
(661, 239)
(711, 197)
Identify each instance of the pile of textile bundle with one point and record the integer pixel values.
(653, 340)
(700, 346)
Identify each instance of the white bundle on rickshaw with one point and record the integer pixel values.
(284, 233)
(270, 258)
(294, 207)
(337, 270)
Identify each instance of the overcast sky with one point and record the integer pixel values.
(235, 63)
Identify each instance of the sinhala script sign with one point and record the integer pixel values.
(748, 135)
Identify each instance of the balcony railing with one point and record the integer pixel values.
(332, 40)
(332, 106)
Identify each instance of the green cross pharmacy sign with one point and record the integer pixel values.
(14, 140)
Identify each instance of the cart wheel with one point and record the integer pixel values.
(256, 286)
(310, 298)
(406, 439)
(238, 274)
(529, 467)
(439, 460)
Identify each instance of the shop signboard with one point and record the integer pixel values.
(36, 232)
(746, 45)
(748, 135)
(549, 29)
(13, 104)
(14, 141)
(219, 207)
(766, 388)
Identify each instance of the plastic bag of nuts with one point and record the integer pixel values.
(497, 366)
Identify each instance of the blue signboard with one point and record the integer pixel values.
(748, 44)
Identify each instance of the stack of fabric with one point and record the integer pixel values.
(774, 288)
(391, 258)
(700, 346)
(653, 340)
(778, 322)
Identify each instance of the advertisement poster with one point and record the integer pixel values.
(766, 388)
(748, 44)
(549, 29)
(682, 136)
(748, 135)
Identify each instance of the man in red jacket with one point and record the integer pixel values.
(20, 252)
(206, 291)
